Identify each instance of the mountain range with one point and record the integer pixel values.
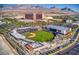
(31, 7)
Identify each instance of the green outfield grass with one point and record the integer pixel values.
(40, 36)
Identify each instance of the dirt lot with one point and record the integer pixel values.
(4, 48)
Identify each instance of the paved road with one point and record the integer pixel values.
(4, 48)
(73, 51)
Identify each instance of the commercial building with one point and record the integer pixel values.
(76, 23)
(59, 29)
(29, 47)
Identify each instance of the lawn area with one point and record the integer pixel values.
(40, 36)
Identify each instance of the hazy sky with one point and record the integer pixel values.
(72, 6)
